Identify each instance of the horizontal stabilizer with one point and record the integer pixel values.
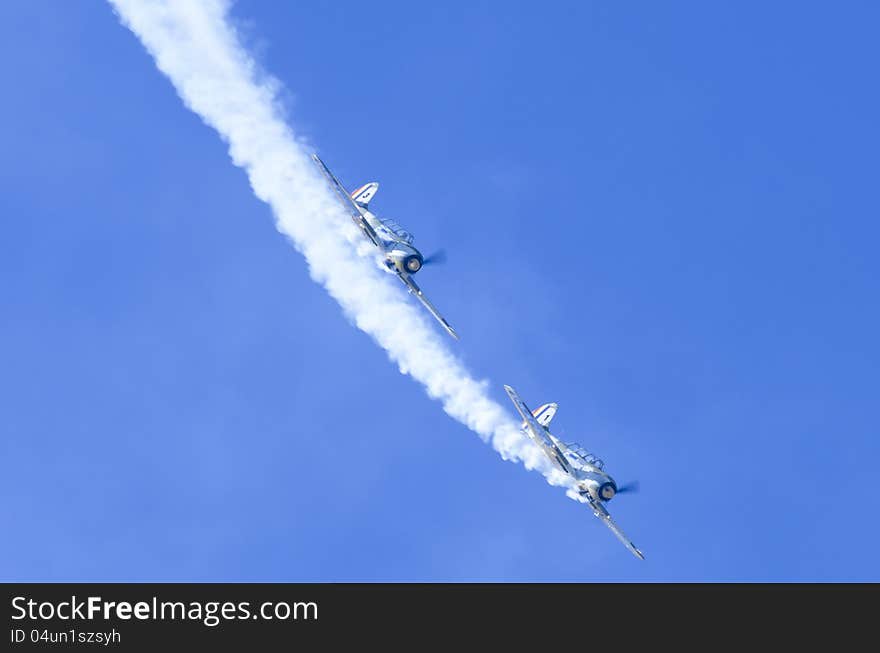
(539, 435)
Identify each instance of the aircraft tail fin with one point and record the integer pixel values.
(364, 194)
(544, 414)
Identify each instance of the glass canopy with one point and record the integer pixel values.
(579, 455)
(399, 231)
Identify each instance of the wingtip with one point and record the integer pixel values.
(446, 326)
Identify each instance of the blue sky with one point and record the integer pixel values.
(663, 218)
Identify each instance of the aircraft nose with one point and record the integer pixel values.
(413, 263)
(607, 491)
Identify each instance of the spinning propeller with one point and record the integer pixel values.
(632, 486)
(437, 257)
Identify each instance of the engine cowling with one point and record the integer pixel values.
(607, 491)
(602, 491)
(412, 263)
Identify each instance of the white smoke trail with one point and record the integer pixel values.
(196, 46)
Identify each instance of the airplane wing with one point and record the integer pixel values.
(600, 512)
(356, 213)
(415, 290)
(538, 434)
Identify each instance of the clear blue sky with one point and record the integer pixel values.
(665, 218)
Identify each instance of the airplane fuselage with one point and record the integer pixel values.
(399, 251)
(598, 485)
(591, 480)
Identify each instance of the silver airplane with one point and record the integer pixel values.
(401, 256)
(593, 482)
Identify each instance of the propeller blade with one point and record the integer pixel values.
(628, 487)
(437, 257)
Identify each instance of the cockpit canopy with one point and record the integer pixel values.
(398, 231)
(577, 454)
